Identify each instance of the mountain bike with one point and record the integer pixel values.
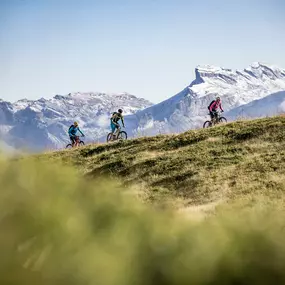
(217, 120)
(78, 142)
(121, 135)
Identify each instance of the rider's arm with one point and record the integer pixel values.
(80, 132)
(221, 107)
(123, 123)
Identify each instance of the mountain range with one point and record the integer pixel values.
(43, 124)
(188, 109)
(255, 91)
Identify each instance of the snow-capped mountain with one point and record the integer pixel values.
(43, 124)
(188, 109)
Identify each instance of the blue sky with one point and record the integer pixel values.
(148, 48)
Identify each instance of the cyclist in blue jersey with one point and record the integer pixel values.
(72, 132)
(115, 127)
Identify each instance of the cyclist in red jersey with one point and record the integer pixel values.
(214, 106)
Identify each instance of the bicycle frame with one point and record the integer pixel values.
(77, 141)
(117, 132)
(216, 118)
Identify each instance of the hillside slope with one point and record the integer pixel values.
(59, 228)
(237, 160)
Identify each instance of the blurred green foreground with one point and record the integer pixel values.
(58, 228)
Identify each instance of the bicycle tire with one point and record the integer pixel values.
(69, 145)
(222, 120)
(109, 136)
(207, 124)
(122, 135)
(81, 143)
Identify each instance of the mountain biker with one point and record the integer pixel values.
(72, 131)
(214, 106)
(116, 117)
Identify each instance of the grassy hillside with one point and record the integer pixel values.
(59, 227)
(237, 160)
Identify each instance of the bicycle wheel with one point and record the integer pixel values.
(122, 135)
(109, 137)
(69, 145)
(222, 120)
(81, 143)
(207, 124)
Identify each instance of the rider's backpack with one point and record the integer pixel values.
(117, 118)
(211, 104)
(71, 127)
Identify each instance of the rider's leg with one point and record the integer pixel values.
(72, 141)
(113, 128)
(117, 131)
(76, 141)
(216, 116)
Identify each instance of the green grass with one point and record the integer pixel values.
(57, 227)
(225, 163)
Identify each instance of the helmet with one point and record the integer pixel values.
(75, 124)
(218, 98)
(120, 111)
